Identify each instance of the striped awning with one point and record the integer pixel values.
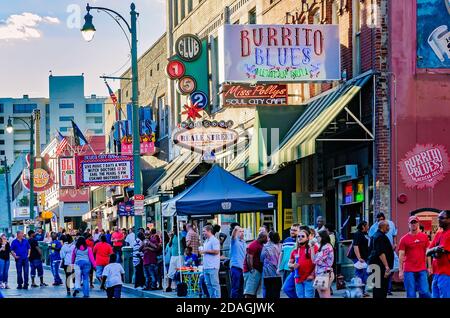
(240, 160)
(300, 141)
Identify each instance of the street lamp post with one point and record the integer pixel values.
(88, 32)
(8, 198)
(30, 125)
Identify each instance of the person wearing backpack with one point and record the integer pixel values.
(83, 258)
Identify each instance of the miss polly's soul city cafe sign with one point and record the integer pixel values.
(205, 139)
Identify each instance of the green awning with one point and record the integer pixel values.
(300, 141)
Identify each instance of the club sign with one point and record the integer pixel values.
(188, 47)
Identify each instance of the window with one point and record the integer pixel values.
(66, 118)
(63, 129)
(2, 120)
(2, 131)
(183, 9)
(94, 108)
(356, 38)
(2, 152)
(252, 16)
(24, 108)
(98, 120)
(189, 6)
(2, 107)
(2, 142)
(175, 13)
(66, 106)
(98, 131)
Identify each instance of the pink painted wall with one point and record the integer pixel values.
(420, 114)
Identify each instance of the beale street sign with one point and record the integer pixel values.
(205, 140)
(257, 95)
(424, 166)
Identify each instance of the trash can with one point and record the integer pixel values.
(45, 255)
(127, 252)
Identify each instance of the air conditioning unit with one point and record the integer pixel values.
(347, 172)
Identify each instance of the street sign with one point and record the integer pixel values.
(186, 85)
(199, 98)
(175, 69)
(188, 47)
(139, 204)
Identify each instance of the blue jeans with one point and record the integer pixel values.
(289, 286)
(416, 281)
(305, 289)
(237, 283)
(361, 273)
(212, 282)
(36, 265)
(55, 265)
(4, 269)
(151, 275)
(99, 271)
(85, 268)
(22, 265)
(441, 286)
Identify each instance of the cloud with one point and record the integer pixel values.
(24, 26)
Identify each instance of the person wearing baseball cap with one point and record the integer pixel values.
(413, 260)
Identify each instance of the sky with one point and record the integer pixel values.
(39, 36)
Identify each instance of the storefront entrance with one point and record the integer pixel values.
(307, 206)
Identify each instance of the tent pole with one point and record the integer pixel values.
(179, 247)
(164, 250)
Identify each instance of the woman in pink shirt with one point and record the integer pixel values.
(83, 258)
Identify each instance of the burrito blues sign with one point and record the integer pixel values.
(279, 53)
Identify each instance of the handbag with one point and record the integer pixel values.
(322, 281)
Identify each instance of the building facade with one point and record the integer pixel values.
(66, 102)
(419, 87)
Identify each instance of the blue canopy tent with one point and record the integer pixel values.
(218, 192)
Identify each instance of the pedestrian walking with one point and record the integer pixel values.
(192, 239)
(151, 248)
(96, 236)
(381, 255)
(253, 266)
(286, 250)
(108, 237)
(270, 256)
(440, 251)
(117, 239)
(323, 260)
(160, 263)
(112, 278)
(237, 257)
(48, 238)
(66, 260)
(5, 251)
(138, 262)
(90, 243)
(302, 266)
(40, 235)
(413, 261)
(359, 253)
(35, 260)
(102, 251)
(55, 259)
(211, 262)
(83, 258)
(320, 225)
(20, 249)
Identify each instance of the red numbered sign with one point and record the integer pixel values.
(175, 69)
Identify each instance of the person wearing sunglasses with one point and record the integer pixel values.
(413, 260)
(440, 251)
(302, 266)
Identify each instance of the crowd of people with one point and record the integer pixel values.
(301, 266)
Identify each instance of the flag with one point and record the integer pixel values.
(114, 100)
(80, 140)
(63, 142)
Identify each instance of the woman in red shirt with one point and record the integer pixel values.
(303, 266)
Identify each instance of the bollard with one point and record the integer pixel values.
(45, 255)
(127, 252)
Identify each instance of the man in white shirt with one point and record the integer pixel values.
(113, 277)
(211, 262)
(131, 237)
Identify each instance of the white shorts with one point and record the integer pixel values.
(175, 262)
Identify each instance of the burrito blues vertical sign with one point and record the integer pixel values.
(279, 53)
(433, 34)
